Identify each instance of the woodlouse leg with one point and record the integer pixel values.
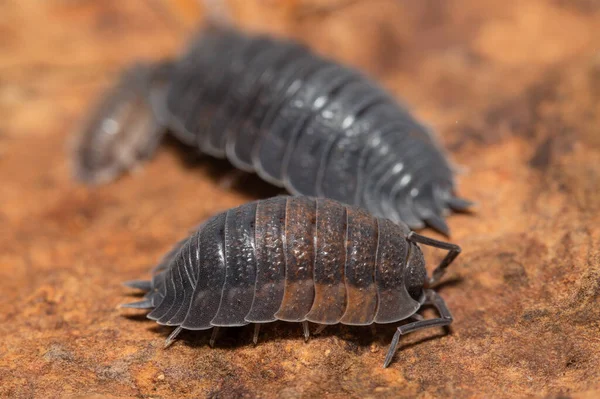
(373, 329)
(453, 251)
(438, 223)
(256, 331)
(320, 329)
(417, 317)
(306, 330)
(459, 204)
(213, 337)
(171, 338)
(445, 319)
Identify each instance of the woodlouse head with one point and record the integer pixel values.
(415, 274)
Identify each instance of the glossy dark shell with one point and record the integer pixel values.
(273, 107)
(288, 258)
(310, 125)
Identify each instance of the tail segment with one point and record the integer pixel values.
(125, 127)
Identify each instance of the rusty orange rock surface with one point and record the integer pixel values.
(513, 90)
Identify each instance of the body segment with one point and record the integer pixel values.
(330, 257)
(362, 234)
(300, 230)
(270, 256)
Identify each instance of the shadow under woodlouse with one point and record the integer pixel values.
(241, 337)
(222, 172)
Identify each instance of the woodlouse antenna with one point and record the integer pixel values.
(440, 270)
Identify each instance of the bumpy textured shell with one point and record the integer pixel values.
(289, 258)
(310, 125)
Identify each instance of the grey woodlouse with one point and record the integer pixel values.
(273, 107)
(296, 259)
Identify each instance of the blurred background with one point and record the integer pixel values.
(511, 87)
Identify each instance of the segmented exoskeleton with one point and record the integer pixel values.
(296, 259)
(273, 107)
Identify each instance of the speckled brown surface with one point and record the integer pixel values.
(512, 87)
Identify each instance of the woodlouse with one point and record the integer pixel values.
(296, 259)
(273, 107)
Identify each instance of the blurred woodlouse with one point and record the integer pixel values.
(296, 259)
(273, 107)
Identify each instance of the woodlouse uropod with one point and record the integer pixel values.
(274, 107)
(296, 259)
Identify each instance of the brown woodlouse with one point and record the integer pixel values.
(273, 107)
(296, 259)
